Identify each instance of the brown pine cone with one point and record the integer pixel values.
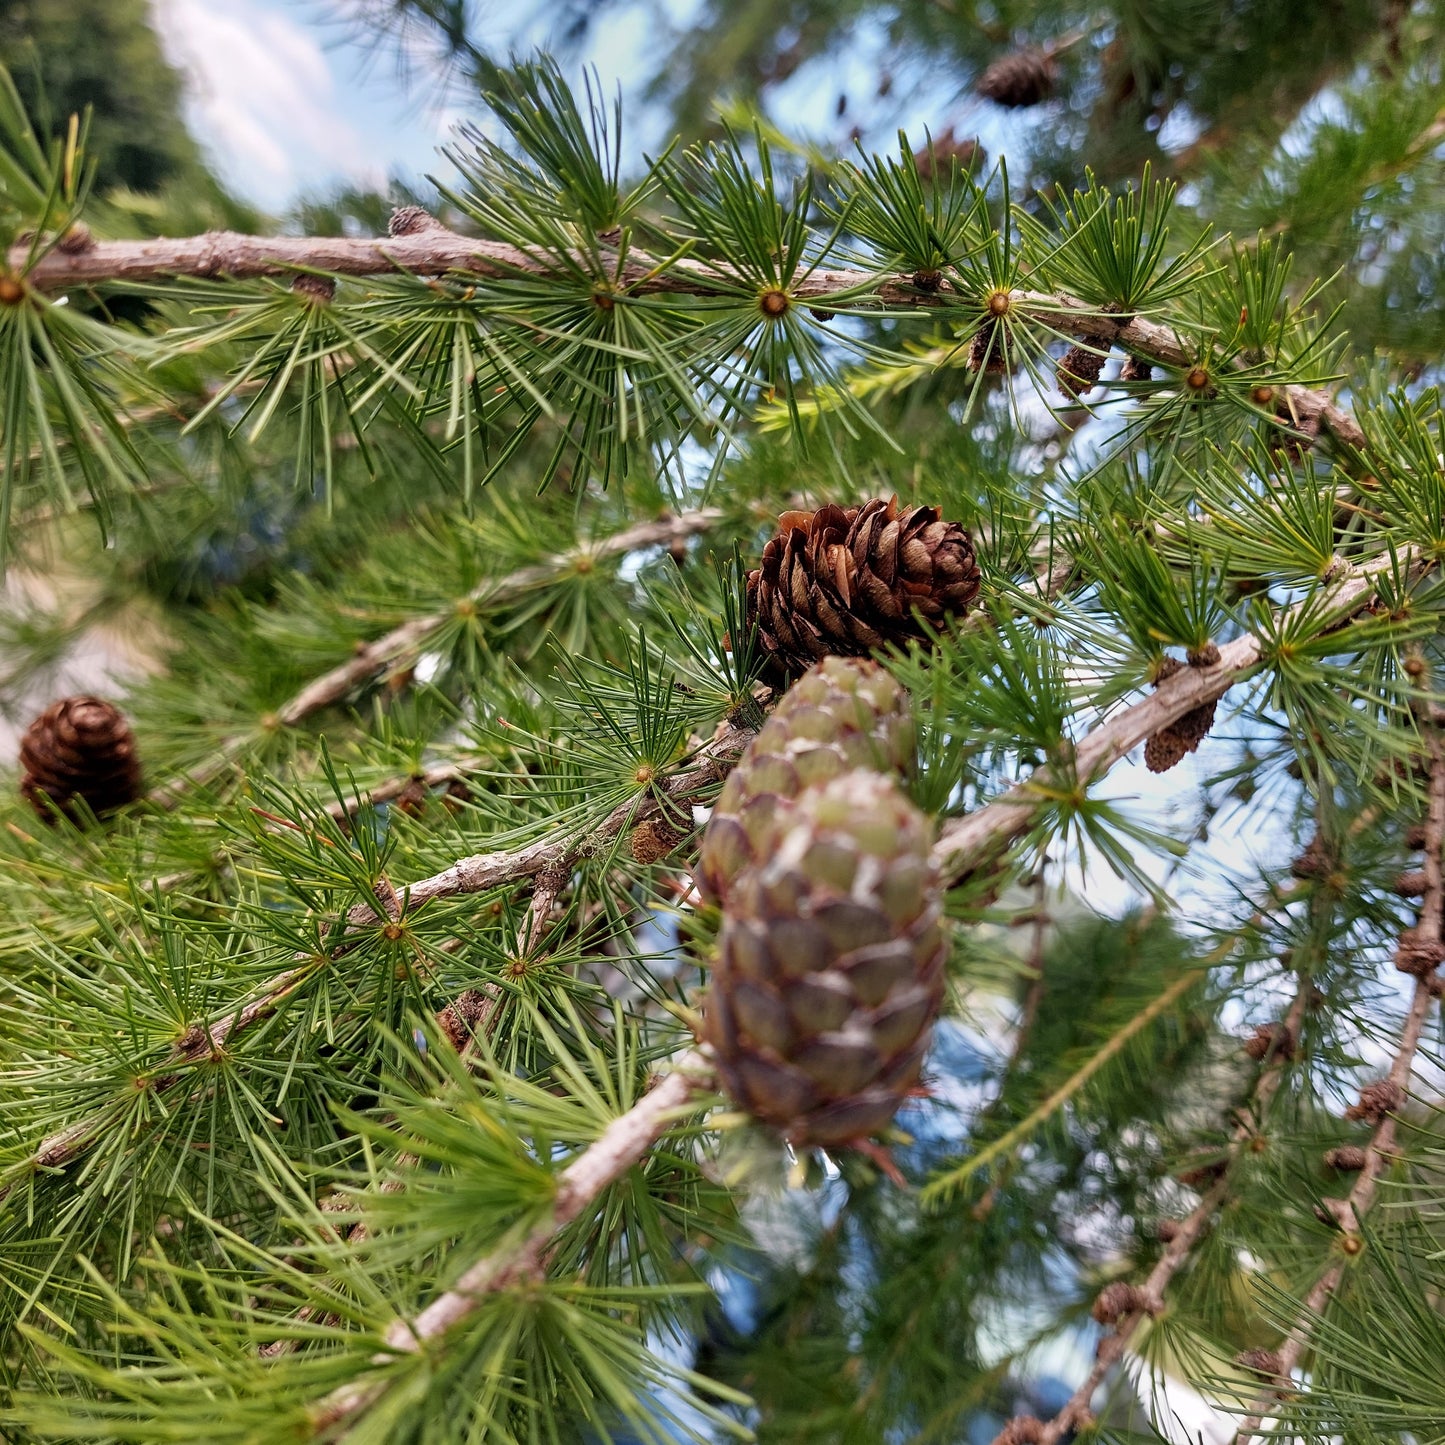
(988, 351)
(1410, 884)
(938, 159)
(848, 580)
(80, 748)
(1021, 78)
(654, 838)
(1266, 1366)
(1120, 1299)
(1317, 861)
(1418, 955)
(829, 968)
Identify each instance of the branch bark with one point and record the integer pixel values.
(1075, 1412)
(965, 841)
(553, 856)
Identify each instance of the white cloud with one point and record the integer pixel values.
(262, 98)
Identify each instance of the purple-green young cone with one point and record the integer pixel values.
(829, 972)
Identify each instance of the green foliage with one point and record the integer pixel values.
(291, 1046)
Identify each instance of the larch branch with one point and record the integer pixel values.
(1351, 1211)
(621, 1145)
(404, 644)
(435, 250)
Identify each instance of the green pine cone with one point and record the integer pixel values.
(843, 713)
(829, 971)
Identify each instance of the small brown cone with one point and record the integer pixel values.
(848, 580)
(1172, 744)
(829, 970)
(1266, 1366)
(1082, 364)
(988, 351)
(80, 748)
(1021, 78)
(1382, 1097)
(1271, 1041)
(1119, 1300)
(1418, 954)
(654, 838)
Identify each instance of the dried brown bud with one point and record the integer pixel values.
(654, 838)
(76, 241)
(1273, 1040)
(1347, 1158)
(1167, 1230)
(1201, 1176)
(988, 351)
(1317, 861)
(460, 1019)
(1119, 1300)
(317, 290)
(1021, 1430)
(1136, 368)
(1417, 954)
(1266, 1365)
(1415, 836)
(1291, 435)
(1082, 365)
(1376, 1100)
(1410, 884)
(411, 221)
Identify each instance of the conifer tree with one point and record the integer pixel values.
(571, 934)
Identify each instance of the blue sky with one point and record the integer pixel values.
(287, 101)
